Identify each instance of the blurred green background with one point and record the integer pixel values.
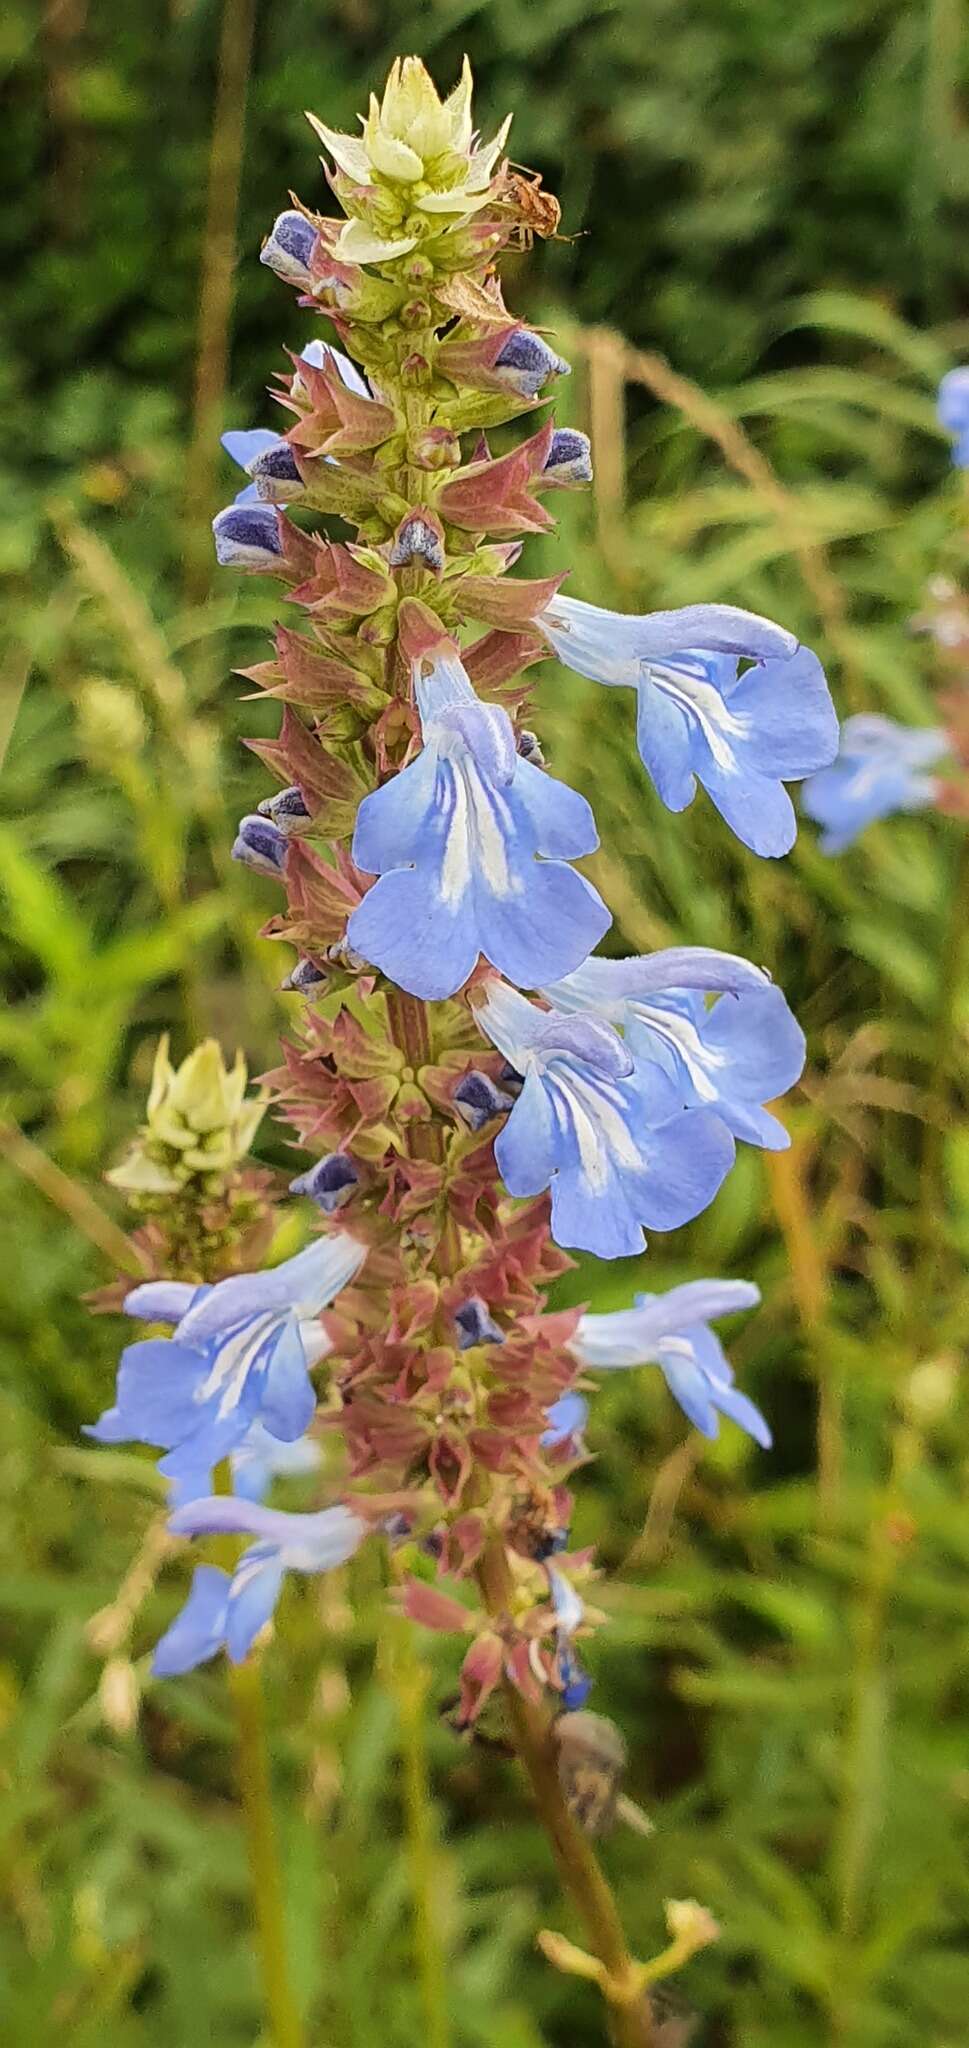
(774, 200)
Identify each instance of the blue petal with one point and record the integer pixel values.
(161, 1301)
(663, 739)
(199, 1630)
(158, 1380)
(793, 723)
(256, 1585)
(287, 1402)
(244, 444)
(525, 1150)
(305, 1283)
(566, 1417)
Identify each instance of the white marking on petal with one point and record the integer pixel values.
(705, 707)
(232, 1362)
(681, 1034)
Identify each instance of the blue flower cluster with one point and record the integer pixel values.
(232, 1381)
(881, 768)
(634, 1090)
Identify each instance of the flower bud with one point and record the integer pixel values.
(247, 537)
(261, 845)
(475, 1325)
(304, 980)
(276, 475)
(526, 363)
(418, 539)
(435, 448)
(288, 248)
(569, 459)
(477, 1100)
(286, 810)
(198, 1121)
(330, 1183)
(530, 748)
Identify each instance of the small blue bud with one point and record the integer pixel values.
(530, 748)
(577, 1684)
(569, 458)
(247, 537)
(477, 1100)
(330, 1183)
(275, 474)
(286, 810)
(304, 980)
(259, 844)
(475, 1325)
(417, 540)
(288, 248)
(526, 363)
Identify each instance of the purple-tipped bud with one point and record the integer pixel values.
(259, 844)
(477, 1100)
(247, 537)
(330, 1183)
(475, 1325)
(304, 980)
(530, 748)
(288, 248)
(287, 811)
(569, 458)
(526, 363)
(275, 474)
(418, 539)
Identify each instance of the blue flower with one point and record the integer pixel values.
(569, 459)
(330, 1183)
(456, 839)
(879, 770)
(575, 1684)
(240, 1353)
(526, 363)
(672, 1331)
(228, 1611)
(742, 735)
(594, 1127)
(730, 1058)
(566, 1419)
(261, 1458)
(952, 409)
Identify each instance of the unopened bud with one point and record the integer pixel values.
(275, 474)
(287, 811)
(288, 248)
(530, 748)
(247, 537)
(330, 1183)
(475, 1325)
(418, 539)
(569, 459)
(690, 1924)
(259, 844)
(305, 979)
(526, 363)
(477, 1100)
(435, 448)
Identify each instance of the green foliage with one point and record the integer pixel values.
(772, 202)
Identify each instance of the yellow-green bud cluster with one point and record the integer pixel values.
(199, 1125)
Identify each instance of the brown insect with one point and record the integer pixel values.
(591, 1757)
(538, 212)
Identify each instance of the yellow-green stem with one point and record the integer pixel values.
(410, 1687)
(255, 1793)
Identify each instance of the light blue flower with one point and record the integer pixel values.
(595, 1128)
(730, 1058)
(566, 1419)
(879, 769)
(575, 1684)
(261, 1458)
(247, 537)
(228, 1611)
(288, 248)
(952, 409)
(672, 1331)
(456, 839)
(742, 735)
(240, 1353)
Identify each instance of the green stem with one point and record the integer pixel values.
(409, 1682)
(245, 1687)
(255, 1793)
